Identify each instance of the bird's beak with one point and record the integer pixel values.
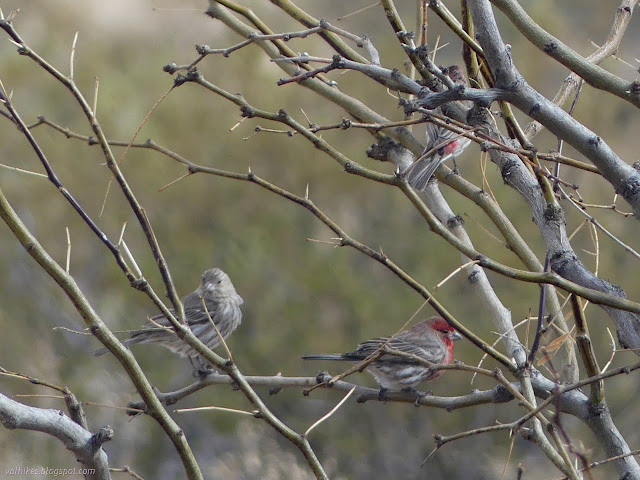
(455, 336)
(209, 287)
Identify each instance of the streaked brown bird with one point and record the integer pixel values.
(221, 304)
(430, 339)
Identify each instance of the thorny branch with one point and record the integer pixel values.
(366, 118)
(98, 328)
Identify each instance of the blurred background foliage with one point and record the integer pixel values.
(301, 296)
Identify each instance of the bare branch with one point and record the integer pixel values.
(82, 443)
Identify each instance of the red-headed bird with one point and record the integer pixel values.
(430, 339)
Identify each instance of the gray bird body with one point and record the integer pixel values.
(221, 304)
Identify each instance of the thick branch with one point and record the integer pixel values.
(599, 419)
(594, 75)
(86, 446)
(100, 330)
(548, 217)
(624, 179)
(610, 47)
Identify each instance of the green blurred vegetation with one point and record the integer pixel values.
(301, 296)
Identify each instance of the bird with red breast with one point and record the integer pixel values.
(431, 339)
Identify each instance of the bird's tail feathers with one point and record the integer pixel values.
(419, 173)
(325, 356)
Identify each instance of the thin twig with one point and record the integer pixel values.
(331, 412)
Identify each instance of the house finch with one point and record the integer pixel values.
(222, 306)
(431, 339)
(419, 173)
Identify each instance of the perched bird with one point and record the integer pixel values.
(440, 146)
(431, 339)
(222, 306)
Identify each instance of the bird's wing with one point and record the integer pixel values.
(369, 347)
(199, 315)
(432, 351)
(194, 313)
(429, 348)
(436, 135)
